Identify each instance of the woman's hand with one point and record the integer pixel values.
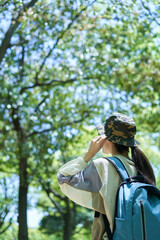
(94, 147)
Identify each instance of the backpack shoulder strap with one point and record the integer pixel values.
(119, 166)
(121, 170)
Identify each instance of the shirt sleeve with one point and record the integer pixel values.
(73, 167)
(80, 182)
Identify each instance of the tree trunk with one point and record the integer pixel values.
(68, 222)
(22, 208)
(23, 176)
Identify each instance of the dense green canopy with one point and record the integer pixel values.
(64, 66)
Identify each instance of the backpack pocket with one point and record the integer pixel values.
(143, 220)
(120, 229)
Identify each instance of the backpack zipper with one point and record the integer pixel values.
(143, 219)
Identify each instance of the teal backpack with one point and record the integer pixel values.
(137, 214)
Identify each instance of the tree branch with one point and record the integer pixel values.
(21, 63)
(63, 124)
(9, 224)
(14, 24)
(3, 215)
(48, 191)
(20, 43)
(4, 3)
(54, 202)
(38, 106)
(149, 11)
(55, 82)
(16, 123)
(56, 194)
(40, 132)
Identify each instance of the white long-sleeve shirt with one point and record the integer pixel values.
(94, 186)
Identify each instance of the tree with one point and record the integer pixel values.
(21, 110)
(56, 224)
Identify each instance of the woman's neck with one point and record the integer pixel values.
(124, 154)
(114, 151)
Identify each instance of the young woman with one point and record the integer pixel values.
(94, 185)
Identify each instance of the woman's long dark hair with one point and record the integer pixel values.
(143, 165)
(141, 162)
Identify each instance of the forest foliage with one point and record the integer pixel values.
(65, 65)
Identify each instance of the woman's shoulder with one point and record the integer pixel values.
(106, 171)
(129, 165)
(103, 164)
(101, 160)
